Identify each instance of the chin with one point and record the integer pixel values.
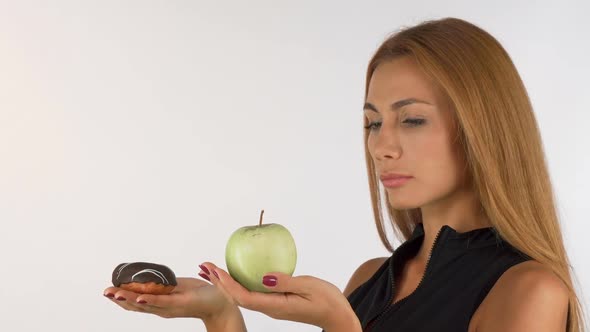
(402, 205)
(400, 201)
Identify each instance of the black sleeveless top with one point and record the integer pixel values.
(461, 270)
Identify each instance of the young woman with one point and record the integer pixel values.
(450, 133)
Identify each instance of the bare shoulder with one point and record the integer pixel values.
(363, 273)
(528, 297)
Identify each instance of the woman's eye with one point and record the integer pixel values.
(371, 125)
(414, 122)
(410, 122)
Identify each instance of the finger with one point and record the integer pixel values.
(207, 269)
(131, 301)
(284, 283)
(110, 292)
(204, 276)
(119, 294)
(159, 301)
(125, 295)
(128, 300)
(124, 303)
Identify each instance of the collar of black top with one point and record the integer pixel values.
(475, 237)
(452, 233)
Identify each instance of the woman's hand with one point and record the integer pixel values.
(304, 299)
(190, 298)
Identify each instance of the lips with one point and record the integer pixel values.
(393, 176)
(395, 182)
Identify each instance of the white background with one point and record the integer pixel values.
(151, 130)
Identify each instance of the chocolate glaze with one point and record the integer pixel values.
(143, 272)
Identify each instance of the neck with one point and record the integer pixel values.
(463, 215)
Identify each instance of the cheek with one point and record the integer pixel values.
(434, 161)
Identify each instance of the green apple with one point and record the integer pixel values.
(253, 251)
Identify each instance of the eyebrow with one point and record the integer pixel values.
(397, 105)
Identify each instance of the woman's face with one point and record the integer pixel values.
(414, 138)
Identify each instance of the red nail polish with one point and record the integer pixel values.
(270, 281)
(120, 298)
(142, 301)
(109, 295)
(216, 275)
(204, 268)
(204, 276)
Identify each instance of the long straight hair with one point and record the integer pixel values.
(498, 135)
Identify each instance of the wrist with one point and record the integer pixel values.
(230, 319)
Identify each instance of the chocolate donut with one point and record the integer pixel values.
(144, 278)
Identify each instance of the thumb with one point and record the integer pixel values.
(284, 283)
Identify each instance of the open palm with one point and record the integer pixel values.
(190, 298)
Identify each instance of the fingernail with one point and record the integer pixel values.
(142, 301)
(204, 276)
(120, 298)
(204, 268)
(216, 275)
(109, 295)
(270, 281)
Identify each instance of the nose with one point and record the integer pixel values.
(385, 143)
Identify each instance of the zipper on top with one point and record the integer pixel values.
(390, 305)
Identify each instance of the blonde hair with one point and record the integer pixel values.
(499, 137)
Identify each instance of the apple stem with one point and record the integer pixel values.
(260, 222)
